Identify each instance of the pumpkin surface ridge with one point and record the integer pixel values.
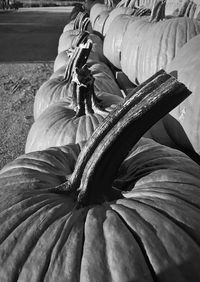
(95, 216)
(33, 229)
(115, 223)
(124, 211)
(179, 218)
(47, 258)
(55, 230)
(28, 212)
(163, 197)
(63, 238)
(145, 209)
(56, 258)
(146, 237)
(158, 242)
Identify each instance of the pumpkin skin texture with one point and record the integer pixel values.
(99, 23)
(43, 168)
(50, 92)
(61, 60)
(151, 233)
(149, 47)
(113, 39)
(58, 125)
(69, 26)
(169, 132)
(186, 67)
(96, 10)
(56, 89)
(113, 14)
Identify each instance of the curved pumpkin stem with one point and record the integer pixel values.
(100, 159)
(158, 11)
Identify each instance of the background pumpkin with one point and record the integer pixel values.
(113, 14)
(70, 39)
(100, 21)
(114, 37)
(186, 67)
(57, 89)
(96, 10)
(148, 47)
(172, 6)
(95, 54)
(44, 168)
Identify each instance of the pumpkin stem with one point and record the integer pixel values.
(158, 11)
(187, 9)
(100, 159)
(139, 12)
(77, 73)
(79, 18)
(85, 99)
(78, 58)
(109, 3)
(84, 24)
(82, 100)
(82, 20)
(133, 5)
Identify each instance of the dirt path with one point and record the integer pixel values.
(29, 36)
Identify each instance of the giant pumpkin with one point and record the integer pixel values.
(117, 218)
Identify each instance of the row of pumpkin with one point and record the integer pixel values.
(65, 215)
(142, 59)
(140, 41)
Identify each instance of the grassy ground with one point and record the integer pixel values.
(18, 85)
(28, 47)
